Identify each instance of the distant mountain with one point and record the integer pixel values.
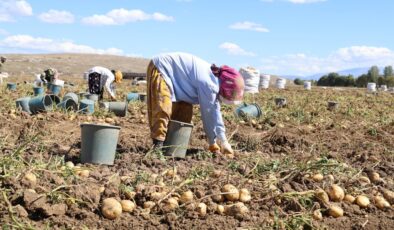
(356, 72)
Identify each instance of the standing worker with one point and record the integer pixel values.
(2, 75)
(176, 81)
(100, 79)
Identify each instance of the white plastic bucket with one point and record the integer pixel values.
(58, 82)
(307, 85)
(383, 88)
(280, 83)
(265, 81)
(251, 78)
(371, 87)
(86, 76)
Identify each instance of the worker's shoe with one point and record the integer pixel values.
(157, 144)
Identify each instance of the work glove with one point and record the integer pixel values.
(214, 148)
(226, 148)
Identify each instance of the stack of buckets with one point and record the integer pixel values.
(371, 87)
(280, 83)
(265, 81)
(307, 85)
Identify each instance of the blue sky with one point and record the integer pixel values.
(289, 37)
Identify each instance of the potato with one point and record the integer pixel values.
(217, 198)
(236, 209)
(363, 180)
(84, 173)
(349, 199)
(109, 120)
(244, 195)
(127, 205)
(171, 204)
(318, 177)
(186, 197)
(111, 208)
(149, 204)
(30, 178)
(171, 172)
(374, 177)
(217, 173)
(220, 209)
(335, 211)
(335, 193)
(362, 201)
(322, 196)
(129, 194)
(381, 203)
(101, 189)
(156, 196)
(232, 193)
(201, 209)
(388, 195)
(69, 164)
(331, 178)
(317, 215)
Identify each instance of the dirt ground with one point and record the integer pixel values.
(276, 159)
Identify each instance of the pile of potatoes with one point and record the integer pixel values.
(166, 201)
(337, 194)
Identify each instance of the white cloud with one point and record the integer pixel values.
(9, 9)
(27, 43)
(57, 17)
(248, 26)
(343, 58)
(296, 1)
(305, 1)
(123, 16)
(234, 49)
(3, 32)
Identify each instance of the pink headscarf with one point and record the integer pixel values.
(231, 84)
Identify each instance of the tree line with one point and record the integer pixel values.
(373, 75)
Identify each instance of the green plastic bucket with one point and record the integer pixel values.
(177, 139)
(71, 96)
(68, 104)
(119, 108)
(11, 86)
(93, 97)
(132, 97)
(98, 143)
(249, 111)
(40, 104)
(23, 104)
(86, 106)
(142, 97)
(38, 91)
(55, 89)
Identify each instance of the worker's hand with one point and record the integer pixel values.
(226, 148)
(113, 98)
(214, 148)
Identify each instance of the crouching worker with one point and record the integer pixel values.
(49, 75)
(176, 81)
(101, 79)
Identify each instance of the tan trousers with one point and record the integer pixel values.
(160, 107)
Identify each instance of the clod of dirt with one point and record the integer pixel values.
(33, 200)
(362, 201)
(231, 192)
(335, 193)
(54, 210)
(111, 208)
(21, 211)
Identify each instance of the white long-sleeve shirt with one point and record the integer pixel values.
(106, 80)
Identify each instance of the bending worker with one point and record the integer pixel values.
(101, 79)
(176, 81)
